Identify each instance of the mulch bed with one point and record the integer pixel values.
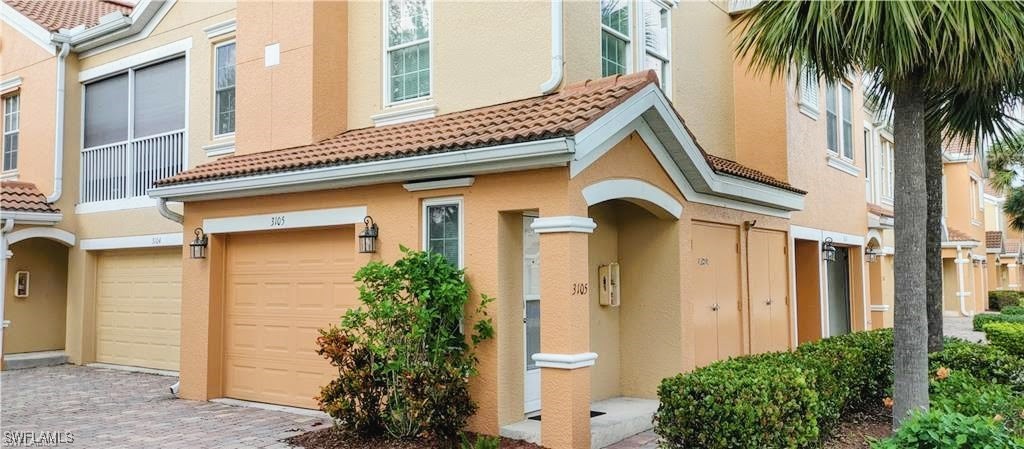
(859, 429)
(332, 438)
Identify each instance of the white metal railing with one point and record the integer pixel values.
(128, 168)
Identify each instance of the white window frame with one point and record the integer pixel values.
(386, 56)
(16, 115)
(887, 150)
(809, 93)
(644, 51)
(444, 201)
(977, 200)
(213, 87)
(869, 160)
(631, 14)
(840, 135)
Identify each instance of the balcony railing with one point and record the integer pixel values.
(128, 168)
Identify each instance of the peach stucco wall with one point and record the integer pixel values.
(22, 57)
(958, 212)
(37, 321)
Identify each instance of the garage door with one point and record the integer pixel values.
(280, 288)
(138, 302)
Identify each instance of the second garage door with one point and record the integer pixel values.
(280, 287)
(138, 308)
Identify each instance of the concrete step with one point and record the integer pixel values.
(26, 360)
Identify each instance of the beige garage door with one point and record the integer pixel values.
(138, 316)
(280, 288)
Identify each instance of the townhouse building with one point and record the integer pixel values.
(191, 187)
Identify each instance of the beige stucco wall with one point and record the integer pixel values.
(22, 57)
(37, 321)
(958, 199)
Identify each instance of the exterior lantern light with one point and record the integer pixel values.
(870, 254)
(828, 250)
(198, 245)
(368, 237)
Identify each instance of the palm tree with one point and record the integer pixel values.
(923, 52)
(1005, 162)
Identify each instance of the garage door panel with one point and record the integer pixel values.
(281, 287)
(138, 308)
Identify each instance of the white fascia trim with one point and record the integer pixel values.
(39, 218)
(424, 111)
(10, 83)
(631, 189)
(466, 181)
(33, 31)
(565, 361)
(995, 251)
(819, 235)
(220, 29)
(879, 307)
(220, 148)
(843, 165)
(54, 234)
(649, 109)
(144, 18)
(963, 244)
(994, 199)
(888, 250)
(511, 157)
(136, 59)
(286, 220)
(138, 202)
(565, 223)
(135, 241)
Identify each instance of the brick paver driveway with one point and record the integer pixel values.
(104, 408)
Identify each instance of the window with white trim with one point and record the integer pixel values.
(12, 124)
(408, 49)
(657, 37)
(839, 120)
(809, 91)
(888, 170)
(442, 228)
(134, 130)
(869, 162)
(977, 206)
(615, 37)
(224, 89)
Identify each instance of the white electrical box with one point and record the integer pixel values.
(610, 287)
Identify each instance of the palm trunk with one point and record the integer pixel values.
(910, 323)
(933, 181)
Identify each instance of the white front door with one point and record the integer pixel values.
(531, 314)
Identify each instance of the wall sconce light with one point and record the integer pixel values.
(198, 245)
(368, 237)
(870, 254)
(828, 250)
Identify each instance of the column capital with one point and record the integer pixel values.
(565, 361)
(565, 223)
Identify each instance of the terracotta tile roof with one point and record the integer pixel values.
(958, 146)
(56, 14)
(880, 210)
(1012, 246)
(562, 114)
(994, 240)
(24, 197)
(989, 190)
(956, 235)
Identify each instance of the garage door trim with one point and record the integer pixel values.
(286, 220)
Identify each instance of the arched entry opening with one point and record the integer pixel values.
(879, 267)
(35, 296)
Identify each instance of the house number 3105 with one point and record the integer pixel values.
(277, 220)
(580, 288)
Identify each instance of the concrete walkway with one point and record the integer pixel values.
(105, 408)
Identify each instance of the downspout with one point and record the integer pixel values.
(7, 227)
(557, 52)
(58, 141)
(960, 280)
(169, 214)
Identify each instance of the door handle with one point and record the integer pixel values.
(714, 307)
(768, 302)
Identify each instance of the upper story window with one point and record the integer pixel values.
(12, 123)
(888, 170)
(977, 204)
(442, 233)
(839, 119)
(615, 37)
(134, 130)
(224, 89)
(408, 49)
(656, 26)
(809, 92)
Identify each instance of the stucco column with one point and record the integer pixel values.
(4, 255)
(1013, 272)
(565, 356)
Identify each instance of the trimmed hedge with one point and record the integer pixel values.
(986, 363)
(981, 319)
(777, 400)
(997, 299)
(1008, 336)
(1013, 310)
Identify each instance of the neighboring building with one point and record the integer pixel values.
(1002, 244)
(101, 99)
(964, 240)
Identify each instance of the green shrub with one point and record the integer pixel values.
(981, 319)
(480, 442)
(997, 299)
(403, 361)
(852, 371)
(943, 430)
(1008, 336)
(987, 363)
(756, 401)
(1013, 310)
(959, 392)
